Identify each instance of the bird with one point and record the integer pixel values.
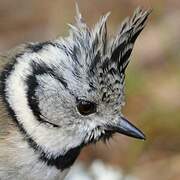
(61, 95)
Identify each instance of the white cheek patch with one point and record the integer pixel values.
(52, 140)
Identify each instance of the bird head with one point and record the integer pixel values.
(69, 92)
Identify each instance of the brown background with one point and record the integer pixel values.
(153, 79)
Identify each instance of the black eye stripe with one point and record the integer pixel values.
(86, 107)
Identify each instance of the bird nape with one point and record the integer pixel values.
(60, 95)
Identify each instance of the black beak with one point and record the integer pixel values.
(128, 129)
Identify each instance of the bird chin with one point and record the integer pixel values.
(104, 137)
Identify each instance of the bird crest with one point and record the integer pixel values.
(104, 59)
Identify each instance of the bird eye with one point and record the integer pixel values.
(86, 107)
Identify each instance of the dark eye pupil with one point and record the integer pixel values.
(86, 107)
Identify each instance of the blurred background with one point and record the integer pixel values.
(152, 82)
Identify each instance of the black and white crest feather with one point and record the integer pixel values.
(105, 58)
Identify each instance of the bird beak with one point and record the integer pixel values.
(125, 127)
